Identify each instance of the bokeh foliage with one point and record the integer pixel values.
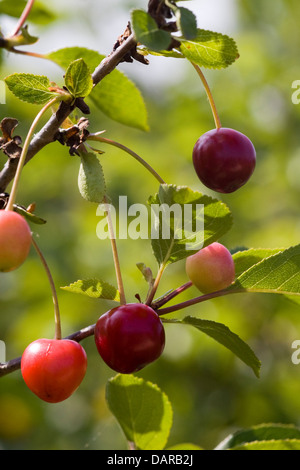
(211, 392)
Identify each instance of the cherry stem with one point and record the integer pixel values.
(54, 293)
(131, 445)
(197, 300)
(209, 95)
(162, 267)
(159, 303)
(23, 17)
(115, 254)
(21, 163)
(28, 53)
(15, 364)
(155, 285)
(98, 138)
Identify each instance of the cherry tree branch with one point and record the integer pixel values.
(15, 364)
(47, 134)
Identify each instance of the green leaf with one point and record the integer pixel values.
(91, 182)
(29, 216)
(39, 13)
(187, 23)
(209, 49)
(279, 274)
(185, 446)
(147, 32)
(189, 221)
(223, 335)
(175, 54)
(116, 95)
(285, 444)
(23, 38)
(146, 272)
(245, 259)
(64, 57)
(142, 410)
(33, 89)
(119, 98)
(262, 432)
(94, 288)
(78, 79)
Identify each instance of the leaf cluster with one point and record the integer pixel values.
(145, 416)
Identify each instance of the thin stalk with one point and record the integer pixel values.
(53, 290)
(162, 267)
(23, 17)
(27, 53)
(159, 303)
(115, 255)
(209, 95)
(98, 138)
(155, 285)
(197, 300)
(14, 189)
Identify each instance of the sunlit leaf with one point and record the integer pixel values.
(210, 49)
(31, 88)
(279, 274)
(94, 288)
(263, 434)
(78, 79)
(142, 410)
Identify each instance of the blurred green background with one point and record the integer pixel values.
(212, 393)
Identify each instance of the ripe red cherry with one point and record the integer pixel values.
(129, 337)
(211, 269)
(53, 368)
(15, 240)
(224, 159)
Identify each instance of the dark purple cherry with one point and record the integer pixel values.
(129, 337)
(224, 159)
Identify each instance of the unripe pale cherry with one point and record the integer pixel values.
(53, 369)
(224, 159)
(15, 240)
(211, 269)
(129, 337)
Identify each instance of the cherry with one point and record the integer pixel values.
(211, 269)
(53, 368)
(15, 240)
(129, 337)
(224, 159)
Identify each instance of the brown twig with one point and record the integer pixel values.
(48, 132)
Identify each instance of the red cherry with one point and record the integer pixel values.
(53, 368)
(211, 269)
(15, 240)
(224, 159)
(129, 337)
